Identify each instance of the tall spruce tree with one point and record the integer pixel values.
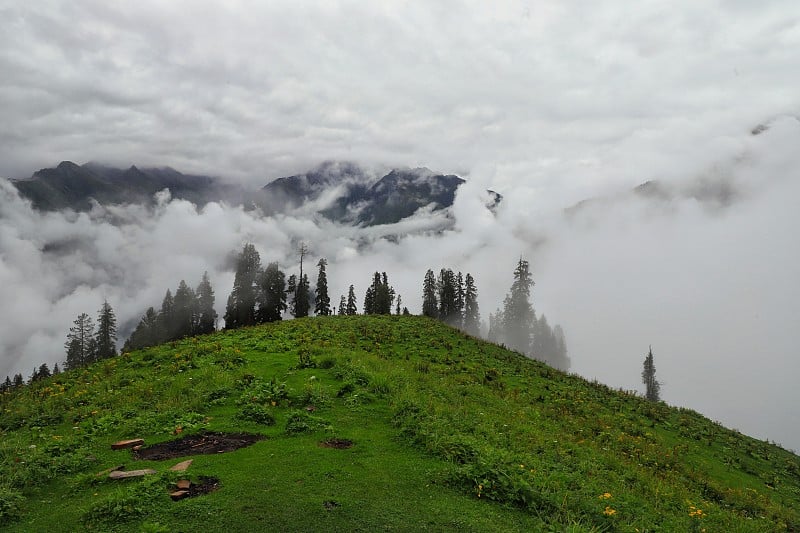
(342, 306)
(106, 335)
(80, 343)
(166, 318)
(430, 305)
(352, 305)
(147, 332)
(301, 297)
(446, 288)
(185, 311)
(206, 315)
(240, 310)
(472, 315)
(518, 315)
(652, 386)
(272, 294)
(323, 301)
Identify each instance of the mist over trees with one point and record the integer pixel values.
(264, 295)
(190, 312)
(516, 325)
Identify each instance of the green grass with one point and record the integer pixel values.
(449, 432)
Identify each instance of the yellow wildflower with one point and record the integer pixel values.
(609, 511)
(605, 496)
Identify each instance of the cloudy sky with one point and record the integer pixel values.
(549, 103)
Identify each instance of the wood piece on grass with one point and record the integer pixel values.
(182, 466)
(178, 494)
(121, 474)
(109, 470)
(183, 484)
(119, 445)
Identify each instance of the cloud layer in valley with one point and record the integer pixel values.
(549, 103)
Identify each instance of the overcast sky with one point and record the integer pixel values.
(548, 103)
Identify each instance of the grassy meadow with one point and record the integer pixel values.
(448, 433)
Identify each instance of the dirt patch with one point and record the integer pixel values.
(330, 505)
(339, 444)
(200, 444)
(206, 485)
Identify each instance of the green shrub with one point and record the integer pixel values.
(10, 501)
(256, 413)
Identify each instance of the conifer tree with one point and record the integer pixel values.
(323, 301)
(166, 318)
(43, 371)
(397, 307)
(206, 315)
(342, 306)
(240, 310)
(518, 315)
(106, 336)
(147, 332)
(19, 381)
(80, 343)
(272, 294)
(459, 301)
(472, 316)
(352, 307)
(652, 386)
(301, 297)
(369, 297)
(56, 370)
(430, 305)
(446, 287)
(7, 385)
(185, 313)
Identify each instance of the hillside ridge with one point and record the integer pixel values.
(446, 431)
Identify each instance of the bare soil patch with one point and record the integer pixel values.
(339, 444)
(200, 444)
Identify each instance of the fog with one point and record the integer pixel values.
(548, 103)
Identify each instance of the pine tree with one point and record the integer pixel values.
(430, 305)
(446, 287)
(397, 307)
(147, 332)
(240, 310)
(80, 343)
(56, 370)
(206, 315)
(19, 381)
(369, 297)
(352, 307)
(166, 318)
(472, 315)
(323, 304)
(271, 294)
(43, 371)
(106, 336)
(342, 306)
(185, 311)
(383, 294)
(7, 385)
(652, 386)
(301, 298)
(518, 315)
(459, 301)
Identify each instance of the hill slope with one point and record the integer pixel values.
(446, 433)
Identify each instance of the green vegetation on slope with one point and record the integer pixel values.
(449, 433)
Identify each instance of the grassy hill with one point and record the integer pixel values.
(445, 432)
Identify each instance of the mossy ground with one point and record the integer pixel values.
(449, 433)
